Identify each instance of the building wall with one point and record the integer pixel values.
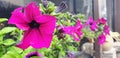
(7, 6)
(116, 15)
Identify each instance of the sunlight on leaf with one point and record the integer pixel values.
(11, 54)
(8, 42)
(34, 57)
(15, 49)
(1, 40)
(3, 19)
(7, 30)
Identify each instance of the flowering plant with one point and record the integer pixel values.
(96, 29)
(46, 26)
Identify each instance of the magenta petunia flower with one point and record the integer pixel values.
(101, 39)
(70, 55)
(93, 24)
(78, 25)
(102, 21)
(38, 27)
(32, 54)
(60, 32)
(89, 21)
(74, 31)
(106, 30)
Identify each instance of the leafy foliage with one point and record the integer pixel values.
(10, 36)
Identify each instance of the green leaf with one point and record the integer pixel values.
(3, 19)
(50, 7)
(67, 15)
(8, 56)
(80, 16)
(70, 48)
(7, 30)
(1, 40)
(34, 57)
(28, 50)
(62, 53)
(2, 50)
(42, 8)
(8, 42)
(11, 54)
(15, 49)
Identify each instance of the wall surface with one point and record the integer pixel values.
(7, 6)
(117, 15)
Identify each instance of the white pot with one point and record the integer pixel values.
(107, 46)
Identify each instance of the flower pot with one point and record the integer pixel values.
(108, 44)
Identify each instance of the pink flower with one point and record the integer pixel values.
(93, 24)
(78, 25)
(74, 31)
(60, 32)
(32, 54)
(90, 21)
(70, 55)
(102, 21)
(101, 39)
(38, 27)
(106, 29)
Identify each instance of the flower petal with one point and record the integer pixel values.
(18, 19)
(94, 26)
(31, 11)
(90, 20)
(79, 34)
(102, 21)
(78, 25)
(101, 39)
(44, 34)
(72, 31)
(23, 26)
(106, 30)
(25, 42)
(75, 36)
(49, 26)
(69, 29)
(40, 39)
(45, 18)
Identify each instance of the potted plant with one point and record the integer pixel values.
(47, 32)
